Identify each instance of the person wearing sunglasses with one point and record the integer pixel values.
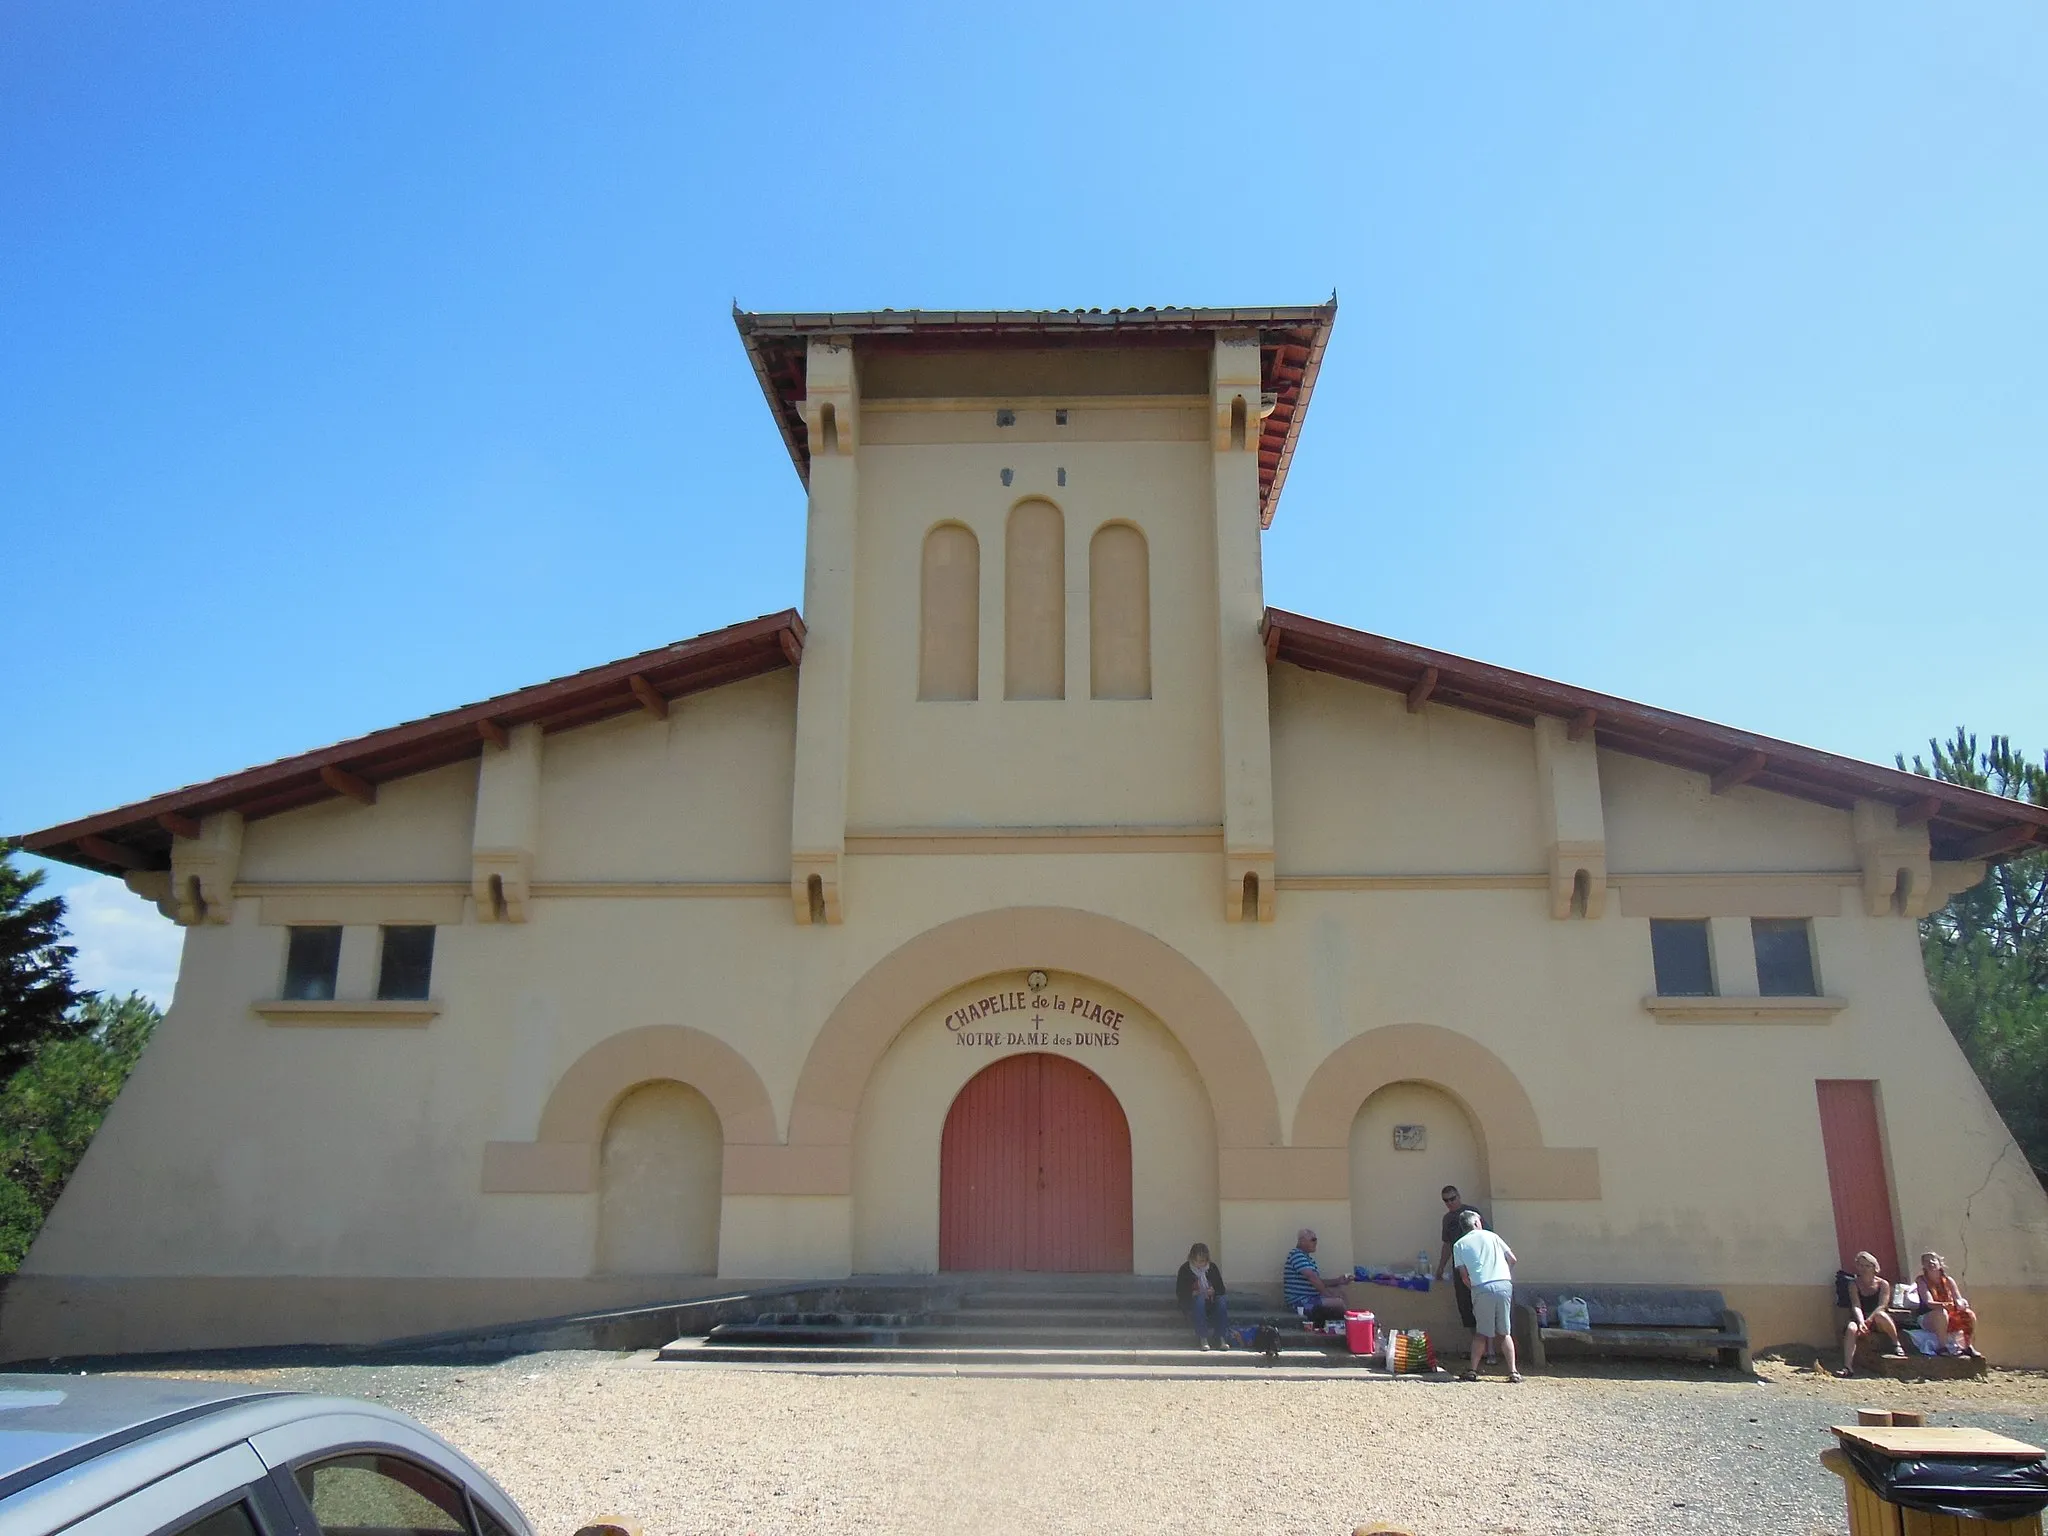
(1453, 1228)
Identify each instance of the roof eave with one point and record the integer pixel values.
(1642, 730)
(139, 841)
(1105, 326)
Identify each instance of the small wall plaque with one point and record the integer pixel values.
(1411, 1138)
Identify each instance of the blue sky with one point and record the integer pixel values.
(359, 360)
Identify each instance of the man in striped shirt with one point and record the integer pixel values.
(1308, 1293)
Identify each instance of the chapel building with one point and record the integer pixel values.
(1039, 899)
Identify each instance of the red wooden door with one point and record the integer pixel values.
(1854, 1142)
(1035, 1171)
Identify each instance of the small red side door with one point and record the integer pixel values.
(1857, 1178)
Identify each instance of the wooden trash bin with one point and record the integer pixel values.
(1870, 1514)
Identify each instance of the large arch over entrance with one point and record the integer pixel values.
(1519, 1165)
(1152, 972)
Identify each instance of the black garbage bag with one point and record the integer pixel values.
(1974, 1488)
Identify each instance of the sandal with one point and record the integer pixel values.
(1845, 1373)
(1514, 1375)
(1468, 1375)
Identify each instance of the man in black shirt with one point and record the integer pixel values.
(1453, 1229)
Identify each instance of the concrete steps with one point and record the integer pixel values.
(1924, 1367)
(997, 1324)
(1009, 1356)
(946, 1335)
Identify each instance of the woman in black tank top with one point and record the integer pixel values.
(1869, 1294)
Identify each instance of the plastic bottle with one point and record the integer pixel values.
(1422, 1261)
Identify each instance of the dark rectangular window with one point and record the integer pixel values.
(407, 969)
(232, 1521)
(310, 961)
(1685, 964)
(1784, 956)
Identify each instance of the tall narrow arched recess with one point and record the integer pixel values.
(1035, 603)
(1119, 614)
(949, 615)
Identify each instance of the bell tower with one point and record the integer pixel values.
(1033, 598)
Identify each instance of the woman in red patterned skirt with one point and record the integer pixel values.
(1942, 1310)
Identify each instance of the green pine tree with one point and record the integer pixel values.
(1987, 951)
(52, 1108)
(38, 995)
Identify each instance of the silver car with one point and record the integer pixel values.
(108, 1456)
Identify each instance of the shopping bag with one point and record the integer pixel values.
(1573, 1313)
(1409, 1352)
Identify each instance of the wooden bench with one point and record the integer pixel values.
(1635, 1319)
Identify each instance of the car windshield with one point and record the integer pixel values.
(48, 1423)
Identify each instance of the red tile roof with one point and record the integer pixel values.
(139, 836)
(1961, 823)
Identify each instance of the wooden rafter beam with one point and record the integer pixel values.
(1918, 813)
(489, 730)
(1272, 644)
(1425, 685)
(108, 852)
(342, 782)
(1741, 771)
(1582, 725)
(792, 648)
(178, 824)
(2004, 840)
(649, 696)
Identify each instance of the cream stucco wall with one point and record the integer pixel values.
(419, 829)
(244, 1149)
(1038, 762)
(702, 795)
(1665, 819)
(1362, 786)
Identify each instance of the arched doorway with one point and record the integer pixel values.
(1035, 1171)
(1408, 1141)
(659, 1168)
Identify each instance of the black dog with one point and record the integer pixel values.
(1267, 1342)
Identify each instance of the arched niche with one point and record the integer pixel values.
(1519, 1165)
(564, 1156)
(1119, 613)
(1408, 1140)
(660, 1165)
(1035, 602)
(949, 615)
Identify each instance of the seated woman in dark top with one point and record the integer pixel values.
(1200, 1290)
(1868, 1294)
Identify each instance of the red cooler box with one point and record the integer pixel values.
(1361, 1333)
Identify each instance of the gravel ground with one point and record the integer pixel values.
(1623, 1448)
